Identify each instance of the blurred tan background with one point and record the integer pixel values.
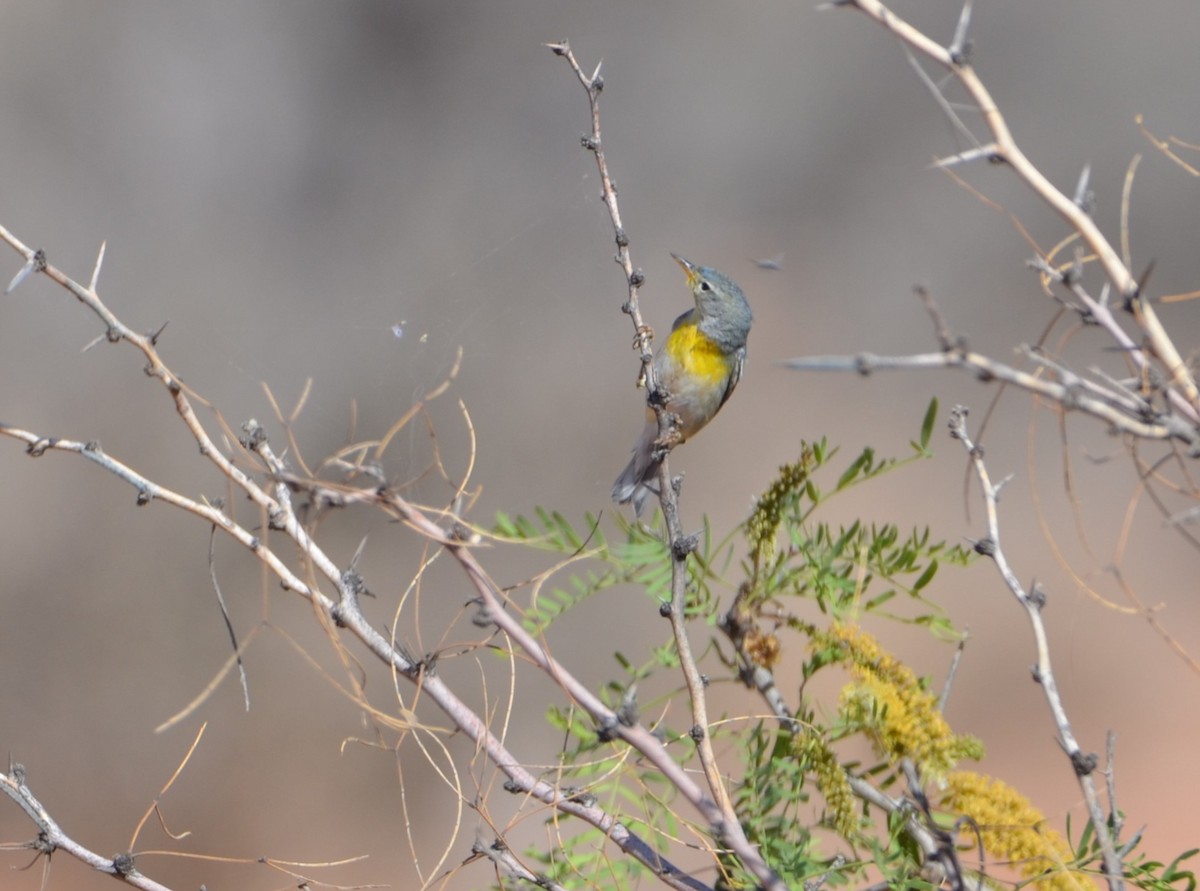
(290, 183)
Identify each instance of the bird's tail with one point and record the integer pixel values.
(639, 480)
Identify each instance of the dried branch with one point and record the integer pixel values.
(722, 816)
(1123, 410)
(1034, 601)
(275, 500)
(1003, 147)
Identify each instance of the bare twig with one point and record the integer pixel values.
(1034, 601)
(724, 821)
(1076, 214)
(1118, 408)
(274, 500)
(51, 837)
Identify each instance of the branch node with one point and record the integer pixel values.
(254, 436)
(580, 796)
(123, 865)
(607, 731)
(684, 545)
(43, 845)
(37, 449)
(335, 613)
(1084, 764)
(986, 547)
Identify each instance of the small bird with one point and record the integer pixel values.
(698, 366)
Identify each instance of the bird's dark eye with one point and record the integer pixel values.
(704, 286)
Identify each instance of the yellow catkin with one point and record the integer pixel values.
(831, 780)
(1013, 829)
(768, 512)
(900, 717)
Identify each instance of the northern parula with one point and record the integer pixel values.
(698, 366)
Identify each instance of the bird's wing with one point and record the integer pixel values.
(739, 360)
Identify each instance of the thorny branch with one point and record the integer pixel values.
(1178, 382)
(343, 610)
(51, 837)
(1034, 601)
(718, 809)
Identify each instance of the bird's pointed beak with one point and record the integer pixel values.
(688, 267)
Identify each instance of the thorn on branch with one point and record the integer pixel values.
(1085, 198)
(153, 338)
(1037, 596)
(354, 584)
(960, 47)
(36, 263)
(628, 714)
(1135, 292)
(986, 547)
(559, 49)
